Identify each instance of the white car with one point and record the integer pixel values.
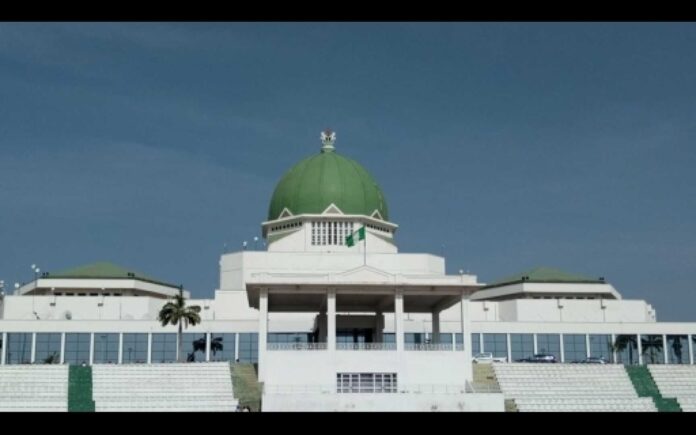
(487, 358)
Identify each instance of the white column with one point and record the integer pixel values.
(33, 347)
(263, 332)
(640, 350)
(149, 347)
(614, 354)
(665, 353)
(208, 337)
(436, 327)
(560, 336)
(690, 347)
(331, 319)
(4, 348)
(480, 341)
(509, 347)
(536, 345)
(587, 345)
(236, 346)
(62, 347)
(399, 319)
(120, 347)
(466, 336)
(91, 348)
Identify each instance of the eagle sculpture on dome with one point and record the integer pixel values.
(328, 137)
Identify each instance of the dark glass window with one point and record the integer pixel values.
(249, 347)
(653, 350)
(134, 348)
(678, 349)
(194, 346)
(18, 348)
(77, 348)
(496, 344)
(105, 348)
(222, 347)
(601, 347)
(574, 347)
(163, 348)
(549, 344)
(626, 349)
(475, 343)
(47, 348)
(522, 346)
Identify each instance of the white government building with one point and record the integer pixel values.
(337, 327)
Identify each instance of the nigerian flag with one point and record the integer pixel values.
(350, 240)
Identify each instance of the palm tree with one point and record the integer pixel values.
(626, 341)
(176, 312)
(653, 345)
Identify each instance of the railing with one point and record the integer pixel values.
(365, 346)
(370, 388)
(428, 346)
(296, 346)
(482, 388)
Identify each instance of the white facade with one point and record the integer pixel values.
(316, 314)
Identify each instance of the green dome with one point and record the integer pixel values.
(325, 178)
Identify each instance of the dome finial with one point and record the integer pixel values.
(328, 138)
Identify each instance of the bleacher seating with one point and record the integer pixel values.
(28, 388)
(163, 387)
(570, 387)
(677, 381)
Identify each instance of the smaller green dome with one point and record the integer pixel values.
(327, 178)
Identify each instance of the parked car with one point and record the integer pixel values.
(539, 358)
(487, 358)
(595, 360)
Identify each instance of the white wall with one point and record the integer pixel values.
(319, 368)
(362, 402)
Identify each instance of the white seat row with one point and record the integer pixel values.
(163, 387)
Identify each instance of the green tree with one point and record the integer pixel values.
(176, 312)
(652, 345)
(623, 342)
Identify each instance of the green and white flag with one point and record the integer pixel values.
(350, 240)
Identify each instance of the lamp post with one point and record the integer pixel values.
(256, 243)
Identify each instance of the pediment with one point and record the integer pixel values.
(332, 209)
(365, 273)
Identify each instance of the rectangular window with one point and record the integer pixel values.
(134, 348)
(18, 348)
(653, 352)
(574, 348)
(626, 349)
(521, 346)
(249, 347)
(222, 347)
(475, 343)
(163, 348)
(105, 348)
(366, 383)
(496, 344)
(194, 345)
(77, 348)
(678, 349)
(47, 348)
(549, 344)
(601, 347)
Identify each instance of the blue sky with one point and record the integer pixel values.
(504, 145)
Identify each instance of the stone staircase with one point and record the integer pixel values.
(484, 379)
